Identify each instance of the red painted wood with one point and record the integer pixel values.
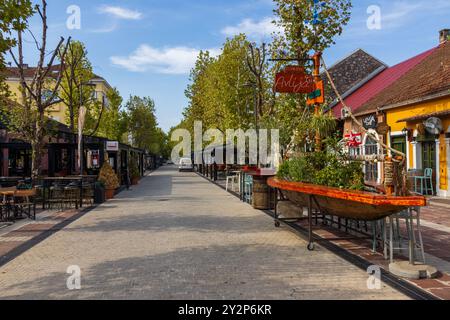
(355, 196)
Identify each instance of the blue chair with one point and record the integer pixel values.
(248, 189)
(426, 183)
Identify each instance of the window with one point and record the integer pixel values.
(399, 144)
(429, 155)
(371, 168)
(355, 151)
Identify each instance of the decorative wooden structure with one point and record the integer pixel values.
(357, 205)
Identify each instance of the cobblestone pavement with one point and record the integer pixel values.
(176, 236)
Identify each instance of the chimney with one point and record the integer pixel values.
(444, 35)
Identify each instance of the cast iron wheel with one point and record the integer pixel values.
(277, 224)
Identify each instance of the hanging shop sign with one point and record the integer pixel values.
(293, 79)
(383, 128)
(112, 146)
(370, 122)
(353, 139)
(318, 95)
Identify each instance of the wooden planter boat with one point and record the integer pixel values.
(358, 205)
(348, 204)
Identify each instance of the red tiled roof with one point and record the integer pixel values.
(430, 79)
(356, 100)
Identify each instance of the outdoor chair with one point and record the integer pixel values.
(425, 183)
(56, 197)
(88, 193)
(24, 203)
(248, 189)
(71, 196)
(233, 180)
(4, 212)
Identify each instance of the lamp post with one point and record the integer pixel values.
(81, 122)
(255, 97)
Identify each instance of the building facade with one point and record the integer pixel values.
(412, 115)
(57, 112)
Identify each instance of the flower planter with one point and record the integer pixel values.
(109, 193)
(134, 181)
(347, 204)
(358, 205)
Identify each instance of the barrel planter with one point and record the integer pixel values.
(261, 193)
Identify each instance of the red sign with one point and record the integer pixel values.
(294, 80)
(354, 139)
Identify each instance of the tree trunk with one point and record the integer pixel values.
(37, 150)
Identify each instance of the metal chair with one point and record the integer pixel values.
(71, 195)
(426, 182)
(233, 180)
(88, 193)
(24, 203)
(57, 197)
(248, 189)
(414, 234)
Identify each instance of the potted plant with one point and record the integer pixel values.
(109, 179)
(134, 172)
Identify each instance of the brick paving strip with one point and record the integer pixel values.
(18, 238)
(436, 235)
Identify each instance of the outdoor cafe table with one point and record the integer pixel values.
(260, 177)
(8, 193)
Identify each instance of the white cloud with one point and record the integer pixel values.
(121, 13)
(252, 28)
(175, 60)
(398, 13)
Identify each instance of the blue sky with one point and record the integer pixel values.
(146, 47)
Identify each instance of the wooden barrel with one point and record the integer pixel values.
(261, 200)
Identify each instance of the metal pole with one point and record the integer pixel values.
(81, 151)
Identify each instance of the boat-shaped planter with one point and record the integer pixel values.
(348, 204)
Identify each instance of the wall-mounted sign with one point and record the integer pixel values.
(112, 146)
(318, 95)
(370, 122)
(354, 140)
(383, 128)
(293, 79)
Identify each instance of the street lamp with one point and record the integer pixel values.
(253, 85)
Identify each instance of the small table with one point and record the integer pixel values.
(260, 177)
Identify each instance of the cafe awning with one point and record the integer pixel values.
(439, 114)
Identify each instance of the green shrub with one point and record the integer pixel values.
(330, 167)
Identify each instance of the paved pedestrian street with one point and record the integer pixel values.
(177, 236)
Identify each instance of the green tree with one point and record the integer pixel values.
(28, 118)
(220, 94)
(111, 126)
(302, 31)
(14, 16)
(142, 122)
(306, 27)
(76, 89)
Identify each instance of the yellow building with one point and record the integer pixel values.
(58, 111)
(416, 108)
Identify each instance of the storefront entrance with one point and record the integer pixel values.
(19, 163)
